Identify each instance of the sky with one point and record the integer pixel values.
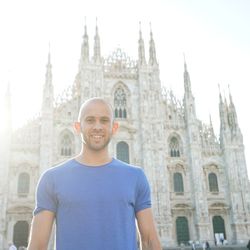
(213, 34)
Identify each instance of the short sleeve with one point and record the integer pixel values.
(45, 195)
(143, 196)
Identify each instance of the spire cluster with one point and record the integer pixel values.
(141, 50)
(85, 55)
(228, 116)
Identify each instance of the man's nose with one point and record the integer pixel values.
(97, 125)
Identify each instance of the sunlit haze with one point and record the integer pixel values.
(214, 36)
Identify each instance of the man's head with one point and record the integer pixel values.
(96, 124)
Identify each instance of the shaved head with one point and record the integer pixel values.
(93, 101)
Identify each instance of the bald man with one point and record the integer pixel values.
(94, 198)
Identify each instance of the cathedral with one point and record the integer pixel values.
(199, 183)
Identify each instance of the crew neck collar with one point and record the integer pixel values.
(93, 166)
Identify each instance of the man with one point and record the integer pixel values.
(94, 197)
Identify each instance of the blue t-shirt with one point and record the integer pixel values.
(95, 207)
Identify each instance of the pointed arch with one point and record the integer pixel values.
(174, 146)
(213, 182)
(121, 96)
(120, 103)
(122, 151)
(66, 143)
(23, 184)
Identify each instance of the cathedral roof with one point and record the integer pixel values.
(118, 64)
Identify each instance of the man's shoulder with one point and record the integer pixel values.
(60, 167)
(126, 166)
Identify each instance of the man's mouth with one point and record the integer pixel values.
(97, 137)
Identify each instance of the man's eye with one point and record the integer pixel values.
(89, 120)
(105, 120)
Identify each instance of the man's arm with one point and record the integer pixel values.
(41, 230)
(147, 229)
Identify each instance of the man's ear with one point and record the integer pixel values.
(77, 127)
(115, 127)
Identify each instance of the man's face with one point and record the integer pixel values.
(96, 125)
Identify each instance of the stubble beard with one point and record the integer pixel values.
(96, 147)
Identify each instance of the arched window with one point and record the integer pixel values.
(178, 183)
(21, 234)
(122, 151)
(120, 103)
(23, 184)
(182, 231)
(174, 147)
(213, 183)
(66, 145)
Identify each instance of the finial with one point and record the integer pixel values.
(185, 64)
(96, 27)
(219, 90)
(229, 89)
(85, 27)
(230, 96)
(225, 99)
(210, 119)
(49, 54)
(140, 33)
(150, 26)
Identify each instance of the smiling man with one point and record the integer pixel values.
(94, 198)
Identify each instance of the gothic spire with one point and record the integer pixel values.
(141, 49)
(223, 112)
(85, 46)
(211, 126)
(97, 46)
(187, 82)
(152, 52)
(48, 80)
(189, 100)
(230, 97)
(233, 121)
(48, 89)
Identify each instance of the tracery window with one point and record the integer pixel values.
(66, 145)
(213, 183)
(23, 185)
(174, 147)
(120, 103)
(122, 151)
(178, 183)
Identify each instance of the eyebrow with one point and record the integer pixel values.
(101, 117)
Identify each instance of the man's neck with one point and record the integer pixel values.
(92, 158)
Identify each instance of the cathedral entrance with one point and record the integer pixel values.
(182, 231)
(21, 234)
(219, 228)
